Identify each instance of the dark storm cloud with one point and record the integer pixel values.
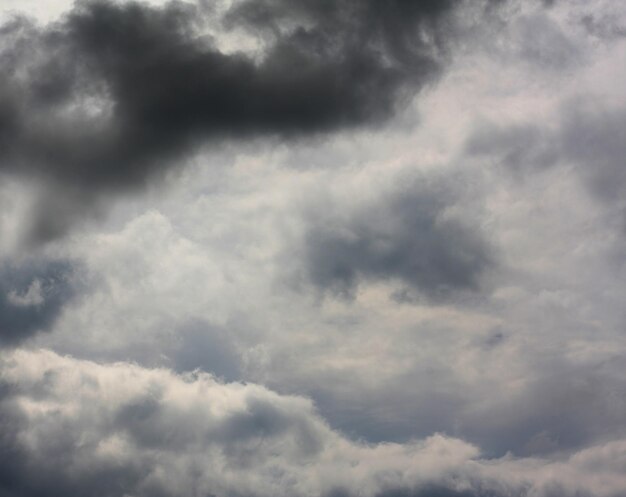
(114, 93)
(31, 298)
(410, 235)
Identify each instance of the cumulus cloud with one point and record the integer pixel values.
(79, 427)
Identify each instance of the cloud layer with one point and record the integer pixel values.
(78, 427)
(390, 262)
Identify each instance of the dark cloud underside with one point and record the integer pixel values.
(114, 93)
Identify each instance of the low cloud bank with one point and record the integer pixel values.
(79, 428)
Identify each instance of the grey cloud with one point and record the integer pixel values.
(32, 295)
(543, 43)
(76, 427)
(559, 408)
(410, 235)
(589, 136)
(55, 210)
(442, 491)
(424, 491)
(114, 94)
(392, 412)
(594, 137)
(603, 27)
(184, 345)
(201, 345)
(521, 148)
(529, 34)
(568, 408)
(499, 392)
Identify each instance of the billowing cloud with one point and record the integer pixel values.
(81, 428)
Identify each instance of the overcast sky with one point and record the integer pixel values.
(313, 248)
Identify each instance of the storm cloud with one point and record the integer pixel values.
(114, 94)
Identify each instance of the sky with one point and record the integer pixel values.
(313, 248)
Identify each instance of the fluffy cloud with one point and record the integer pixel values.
(79, 427)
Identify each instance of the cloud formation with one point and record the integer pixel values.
(500, 219)
(75, 427)
(114, 94)
(415, 234)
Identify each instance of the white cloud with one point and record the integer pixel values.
(146, 430)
